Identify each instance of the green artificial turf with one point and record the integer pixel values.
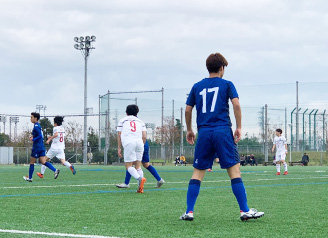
(88, 203)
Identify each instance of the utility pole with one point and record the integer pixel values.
(310, 142)
(304, 129)
(323, 128)
(286, 123)
(162, 129)
(181, 133)
(315, 130)
(266, 134)
(297, 119)
(173, 129)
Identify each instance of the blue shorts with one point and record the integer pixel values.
(37, 153)
(215, 142)
(145, 156)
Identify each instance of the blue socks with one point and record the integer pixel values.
(30, 171)
(192, 194)
(239, 191)
(127, 177)
(153, 171)
(50, 166)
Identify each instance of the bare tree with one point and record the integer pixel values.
(169, 131)
(73, 132)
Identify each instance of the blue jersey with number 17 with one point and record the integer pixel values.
(211, 97)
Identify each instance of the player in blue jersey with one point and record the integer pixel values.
(38, 150)
(145, 163)
(211, 98)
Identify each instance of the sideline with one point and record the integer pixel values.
(54, 234)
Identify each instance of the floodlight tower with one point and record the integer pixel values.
(84, 44)
(41, 107)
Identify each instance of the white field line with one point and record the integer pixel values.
(182, 182)
(53, 234)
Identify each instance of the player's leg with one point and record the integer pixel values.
(126, 181)
(145, 162)
(203, 159)
(283, 161)
(43, 160)
(139, 153)
(50, 154)
(31, 169)
(278, 160)
(130, 158)
(42, 170)
(238, 187)
(61, 155)
(229, 159)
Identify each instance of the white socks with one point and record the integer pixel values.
(67, 164)
(134, 173)
(278, 168)
(140, 172)
(43, 169)
(285, 166)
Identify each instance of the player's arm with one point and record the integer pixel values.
(38, 134)
(119, 144)
(286, 148)
(273, 147)
(144, 136)
(52, 137)
(190, 133)
(237, 112)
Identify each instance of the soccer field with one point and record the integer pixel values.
(89, 204)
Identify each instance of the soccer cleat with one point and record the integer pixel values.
(27, 179)
(56, 173)
(39, 174)
(187, 216)
(209, 170)
(141, 185)
(278, 173)
(122, 185)
(286, 172)
(160, 183)
(251, 214)
(73, 169)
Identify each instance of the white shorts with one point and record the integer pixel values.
(59, 153)
(133, 151)
(280, 157)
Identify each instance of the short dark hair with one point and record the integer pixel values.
(279, 130)
(36, 115)
(58, 120)
(132, 110)
(214, 62)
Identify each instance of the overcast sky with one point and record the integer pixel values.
(149, 44)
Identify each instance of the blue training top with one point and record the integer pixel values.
(211, 97)
(37, 137)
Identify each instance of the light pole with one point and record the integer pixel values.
(85, 46)
(41, 107)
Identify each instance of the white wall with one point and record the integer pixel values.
(6, 155)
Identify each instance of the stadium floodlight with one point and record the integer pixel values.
(85, 41)
(93, 38)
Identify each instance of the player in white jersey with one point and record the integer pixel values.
(280, 144)
(57, 146)
(132, 135)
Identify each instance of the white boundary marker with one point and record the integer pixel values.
(182, 182)
(54, 234)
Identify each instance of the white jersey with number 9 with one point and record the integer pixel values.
(131, 128)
